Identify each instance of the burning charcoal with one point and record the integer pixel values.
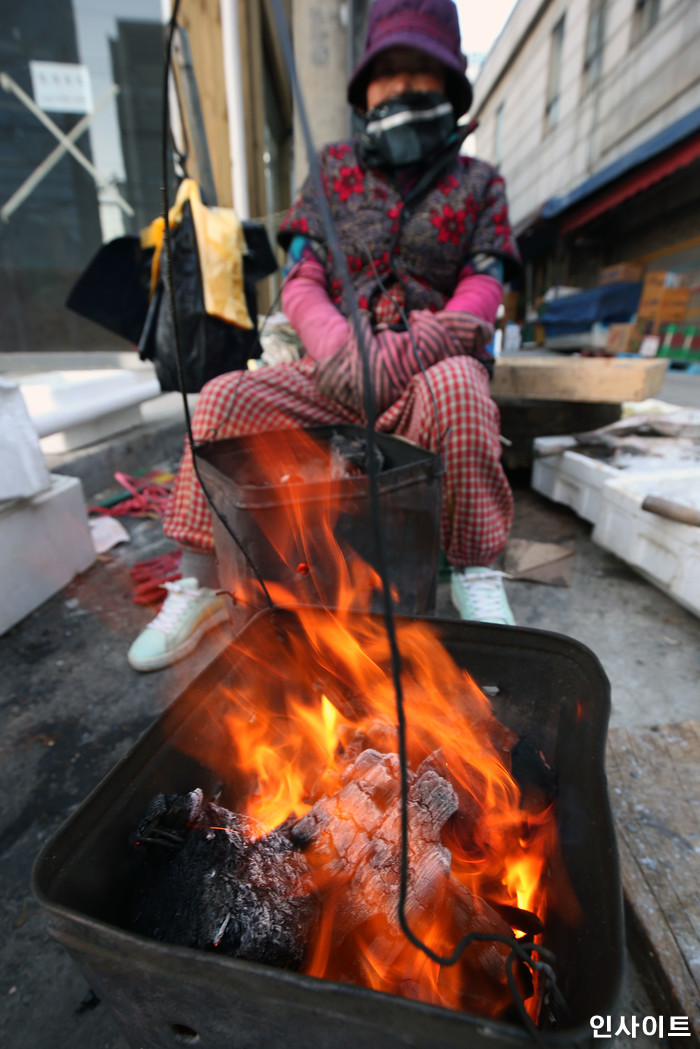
(373, 735)
(349, 456)
(537, 781)
(222, 889)
(166, 817)
(354, 835)
(464, 821)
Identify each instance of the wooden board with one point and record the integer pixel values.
(202, 21)
(654, 786)
(608, 380)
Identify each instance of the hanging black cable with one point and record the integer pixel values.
(165, 124)
(521, 950)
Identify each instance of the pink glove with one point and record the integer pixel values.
(307, 305)
(394, 359)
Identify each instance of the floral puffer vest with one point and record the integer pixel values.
(388, 239)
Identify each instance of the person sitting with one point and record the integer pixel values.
(427, 243)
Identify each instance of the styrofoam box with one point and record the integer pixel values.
(576, 480)
(23, 472)
(570, 478)
(44, 542)
(665, 552)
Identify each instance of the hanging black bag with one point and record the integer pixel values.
(210, 346)
(114, 292)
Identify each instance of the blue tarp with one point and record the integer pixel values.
(609, 304)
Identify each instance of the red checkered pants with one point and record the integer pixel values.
(477, 507)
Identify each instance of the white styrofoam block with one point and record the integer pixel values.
(23, 472)
(44, 542)
(570, 478)
(576, 480)
(665, 552)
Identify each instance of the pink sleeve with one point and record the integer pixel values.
(476, 293)
(305, 301)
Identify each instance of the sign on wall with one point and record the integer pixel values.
(61, 87)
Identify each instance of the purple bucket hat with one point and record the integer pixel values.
(431, 26)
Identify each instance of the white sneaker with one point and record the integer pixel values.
(478, 594)
(188, 612)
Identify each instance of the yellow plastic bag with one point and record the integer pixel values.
(220, 247)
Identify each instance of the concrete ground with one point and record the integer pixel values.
(70, 708)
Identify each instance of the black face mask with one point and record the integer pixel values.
(406, 129)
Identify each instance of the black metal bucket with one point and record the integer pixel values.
(409, 503)
(549, 687)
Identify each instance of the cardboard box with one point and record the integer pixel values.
(622, 338)
(692, 313)
(663, 289)
(651, 293)
(622, 271)
(671, 307)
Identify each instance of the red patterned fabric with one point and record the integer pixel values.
(394, 357)
(448, 409)
(421, 247)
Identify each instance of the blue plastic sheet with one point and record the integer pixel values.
(609, 304)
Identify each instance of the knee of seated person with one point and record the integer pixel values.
(462, 377)
(213, 402)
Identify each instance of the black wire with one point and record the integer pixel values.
(173, 308)
(520, 950)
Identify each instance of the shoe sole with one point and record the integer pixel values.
(183, 650)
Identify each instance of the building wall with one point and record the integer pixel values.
(643, 87)
(321, 54)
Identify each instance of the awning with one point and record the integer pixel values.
(636, 182)
(657, 149)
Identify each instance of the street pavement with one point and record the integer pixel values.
(70, 708)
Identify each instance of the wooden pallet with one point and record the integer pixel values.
(654, 785)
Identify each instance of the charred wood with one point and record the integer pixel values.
(222, 887)
(536, 779)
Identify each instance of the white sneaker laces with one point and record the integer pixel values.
(175, 606)
(485, 590)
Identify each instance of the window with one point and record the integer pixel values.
(498, 145)
(593, 58)
(646, 15)
(554, 77)
(109, 53)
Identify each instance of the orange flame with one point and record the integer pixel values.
(324, 696)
